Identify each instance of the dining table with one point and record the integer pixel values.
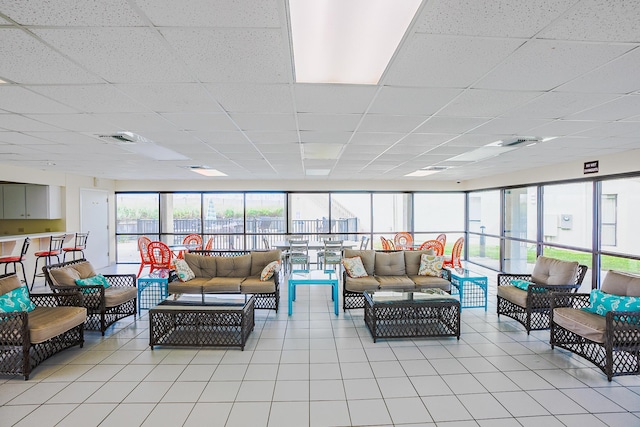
(315, 245)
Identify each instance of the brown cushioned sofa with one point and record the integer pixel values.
(232, 272)
(28, 338)
(105, 306)
(387, 270)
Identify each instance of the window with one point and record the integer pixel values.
(137, 215)
(391, 214)
(609, 219)
(264, 219)
(619, 225)
(223, 219)
(568, 213)
(351, 213)
(520, 222)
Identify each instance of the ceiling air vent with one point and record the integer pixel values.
(125, 138)
(436, 168)
(518, 141)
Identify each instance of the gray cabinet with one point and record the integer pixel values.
(30, 201)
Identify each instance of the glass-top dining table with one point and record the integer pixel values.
(315, 245)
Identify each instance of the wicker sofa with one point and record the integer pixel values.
(610, 339)
(232, 272)
(387, 270)
(105, 306)
(29, 338)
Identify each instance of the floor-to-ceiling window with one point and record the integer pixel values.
(391, 214)
(138, 214)
(436, 213)
(520, 229)
(483, 226)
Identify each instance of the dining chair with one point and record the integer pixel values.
(364, 243)
(209, 245)
(331, 254)
(191, 239)
(298, 254)
(442, 238)
(436, 245)
(454, 261)
(143, 249)
(55, 249)
(17, 259)
(266, 244)
(79, 245)
(160, 255)
(387, 245)
(403, 240)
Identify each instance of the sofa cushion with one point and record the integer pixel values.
(193, 286)
(621, 283)
(389, 264)
(395, 282)
(354, 267)
(183, 270)
(48, 322)
(551, 271)
(255, 285)
(9, 283)
(412, 260)
(233, 266)
(430, 265)
(65, 276)
(368, 258)
(430, 282)
(361, 284)
(223, 285)
(583, 323)
(16, 300)
(513, 294)
(202, 266)
(116, 295)
(260, 259)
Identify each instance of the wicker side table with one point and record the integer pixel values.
(431, 313)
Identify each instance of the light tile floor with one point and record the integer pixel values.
(317, 369)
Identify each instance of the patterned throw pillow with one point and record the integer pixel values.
(97, 280)
(269, 270)
(521, 284)
(354, 267)
(185, 273)
(16, 300)
(602, 302)
(430, 265)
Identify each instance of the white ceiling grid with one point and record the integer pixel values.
(213, 80)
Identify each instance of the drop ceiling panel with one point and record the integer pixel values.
(212, 13)
(233, 55)
(27, 60)
(72, 139)
(201, 121)
(496, 19)
(265, 122)
(555, 105)
(545, 64)
(212, 137)
(19, 100)
(562, 128)
(99, 98)
(486, 103)
(618, 109)
(268, 149)
(447, 61)
(390, 123)
(411, 101)
(331, 98)
(375, 138)
(109, 53)
(168, 98)
(328, 122)
(71, 13)
(440, 124)
(273, 137)
(509, 126)
(137, 122)
(18, 138)
(253, 98)
(428, 139)
(21, 123)
(326, 137)
(613, 130)
(75, 122)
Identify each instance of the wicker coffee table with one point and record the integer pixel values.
(428, 313)
(204, 320)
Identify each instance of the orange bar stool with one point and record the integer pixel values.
(79, 245)
(17, 259)
(55, 249)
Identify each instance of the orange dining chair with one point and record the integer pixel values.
(79, 245)
(160, 255)
(55, 249)
(143, 248)
(403, 240)
(17, 259)
(436, 245)
(387, 245)
(209, 245)
(191, 239)
(442, 238)
(454, 261)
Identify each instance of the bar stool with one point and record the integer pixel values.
(55, 249)
(79, 245)
(6, 260)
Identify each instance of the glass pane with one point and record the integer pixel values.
(310, 214)
(620, 264)
(264, 219)
(568, 210)
(391, 213)
(180, 215)
(351, 213)
(484, 212)
(137, 213)
(583, 258)
(521, 212)
(483, 250)
(223, 219)
(438, 212)
(620, 204)
(520, 257)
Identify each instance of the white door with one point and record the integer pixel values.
(94, 218)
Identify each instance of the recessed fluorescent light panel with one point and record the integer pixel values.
(317, 172)
(347, 41)
(429, 170)
(206, 171)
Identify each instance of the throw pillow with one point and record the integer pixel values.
(16, 300)
(97, 280)
(430, 265)
(269, 270)
(354, 267)
(183, 270)
(602, 302)
(521, 284)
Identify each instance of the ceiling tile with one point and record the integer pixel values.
(328, 122)
(201, 121)
(265, 122)
(618, 109)
(327, 137)
(75, 122)
(72, 13)
(562, 128)
(441, 124)
(390, 123)
(556, 105)
(168, 98)
(411, 101)
(375, 138)
(484, 103)
(21, 123)
(333, 98)
(253, 98)
(99, 98)
(137, 122)
(272, 137)
(19, 100)
(514, 126)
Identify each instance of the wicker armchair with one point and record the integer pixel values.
(29, 338)
(532, 307)
(610, 341)
(105, 306)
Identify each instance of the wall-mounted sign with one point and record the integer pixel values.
(591, 167)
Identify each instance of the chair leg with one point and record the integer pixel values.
(35, 272)
(24, 273)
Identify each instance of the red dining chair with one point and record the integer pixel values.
(160, 255)
(55, 249)
(455, 261)
(403, 240)
(143, 248)
(17, 259)
(442, 238)
(79, 245)
(209, 245)
(436, 245)
(191, 239)
(387, 245)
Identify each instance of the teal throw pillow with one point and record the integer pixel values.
(16, 300)
(602, 302)
(521, 284)
(97, 280)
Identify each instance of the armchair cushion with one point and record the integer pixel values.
(390, 264)
(49, 322)
(9, 283)
(116, 295)
(512, 294)
(16, 300)
(66, 276)
(550, 271)
(620, 283)
(589, 325)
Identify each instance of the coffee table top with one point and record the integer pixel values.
(463, 273)
(399, 297)
(302, 275)
(205, 302)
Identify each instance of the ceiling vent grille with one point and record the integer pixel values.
(519, 141)
(125, 138)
